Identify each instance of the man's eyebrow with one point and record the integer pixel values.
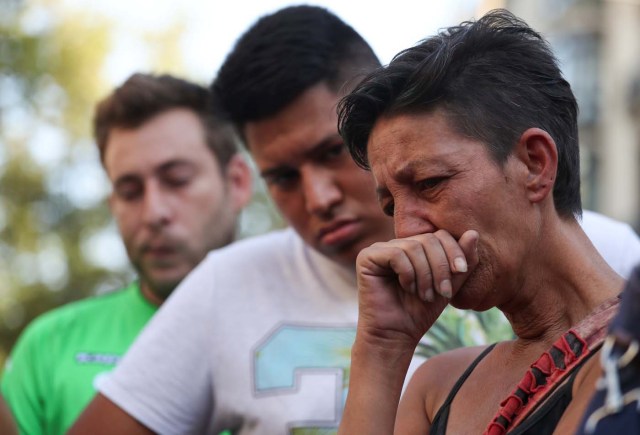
(166, 166)
(310, 153)
(126, 178)
(320, 146)
(272, 172)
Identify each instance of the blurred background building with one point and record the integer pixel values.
(598, 45)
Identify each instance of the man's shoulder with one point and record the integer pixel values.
(276, 239)
(265, 247)
(71, 312)
(601, 224)
(606, 231)
(616, 241)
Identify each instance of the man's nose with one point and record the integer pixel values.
(321, 191)
(156, 210)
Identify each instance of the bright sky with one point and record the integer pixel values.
(213, 26)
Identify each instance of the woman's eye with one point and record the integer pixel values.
(430, 183)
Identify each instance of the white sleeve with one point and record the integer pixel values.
(616, 241)
(164, 379)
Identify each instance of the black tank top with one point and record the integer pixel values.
(541, 422)
(439, 425)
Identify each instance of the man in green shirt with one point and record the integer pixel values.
(178, 187)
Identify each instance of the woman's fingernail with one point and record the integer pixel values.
(428, 295)
(445, 289)
(460, 264)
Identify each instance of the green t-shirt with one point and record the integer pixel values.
(50, 375)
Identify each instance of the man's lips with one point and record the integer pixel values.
(338, 232)
(158, 251)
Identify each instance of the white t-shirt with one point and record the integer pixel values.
(257, 338)
(616, 241)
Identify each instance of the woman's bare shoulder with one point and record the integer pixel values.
(453, 362)
(434, 379)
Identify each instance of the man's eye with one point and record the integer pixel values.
(177, 181)
(283, 181)
(177, 177)
(388, 208)
(333, 151)
(129, 191)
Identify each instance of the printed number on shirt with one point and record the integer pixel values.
(307, 367)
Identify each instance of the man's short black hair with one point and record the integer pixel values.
(284, 54)
(494, 78)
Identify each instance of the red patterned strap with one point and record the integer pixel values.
(553, 367)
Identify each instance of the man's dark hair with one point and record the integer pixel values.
(284, 54)
(144, 96)
(494, 78)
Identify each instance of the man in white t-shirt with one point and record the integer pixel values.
(616, 241)
(258, 338)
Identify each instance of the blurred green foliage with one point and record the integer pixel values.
(49, 81)
(457, 328)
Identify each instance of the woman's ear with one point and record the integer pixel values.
(537, 150)
(239, 181)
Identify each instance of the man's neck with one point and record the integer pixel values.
(149, 294)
